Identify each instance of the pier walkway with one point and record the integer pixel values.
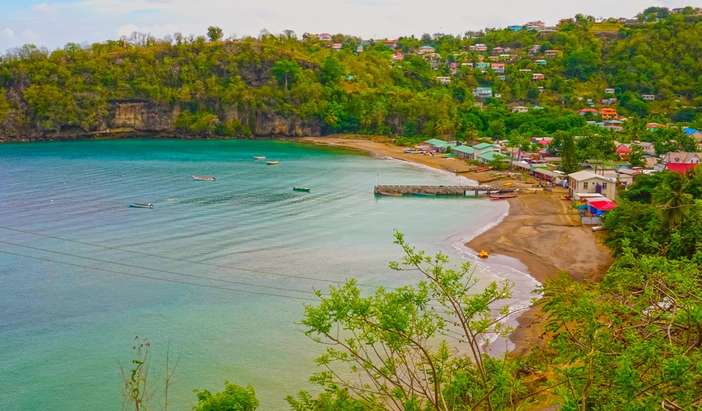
(429, 190)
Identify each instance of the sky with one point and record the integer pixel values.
(53, 23)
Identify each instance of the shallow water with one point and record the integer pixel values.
(217, 271)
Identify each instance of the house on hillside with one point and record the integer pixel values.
(520, 109)
(498, 50)
(585, 181)
(647, 147)
(443, 80)
(337, 46)
(498, 68)
(425, 50)
(538, 76)
(480, 47)
(551, 54)
(398, 56)
(609, 91)
(589, 110)
(515, 28)
(648, 97)
(535, 25)
(654, 126)
(324, 36)
(681, 161)
(482, 66)
(482, 92)
(541, 62)
(608, 113)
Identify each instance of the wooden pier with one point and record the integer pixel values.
(426, 190)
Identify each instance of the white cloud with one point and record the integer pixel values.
(44, 8)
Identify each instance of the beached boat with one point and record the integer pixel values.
(273, 163)
(502, 196)
(141, 205)
(483, 254)
(259, 157)
(204, 178)
(302, 189)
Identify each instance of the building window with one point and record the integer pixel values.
(585, 185)
(604, 186)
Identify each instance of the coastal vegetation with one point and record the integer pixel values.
(217, 86)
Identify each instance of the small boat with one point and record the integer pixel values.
(141, 205)
(502, 196)
(259, 157)
(204, 178)
(483, 254)
(273, 163)
(302, 189)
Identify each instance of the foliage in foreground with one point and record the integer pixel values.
(633, 341)
(415, 347)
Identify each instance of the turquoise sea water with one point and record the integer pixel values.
(229, 263)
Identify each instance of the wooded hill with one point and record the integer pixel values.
(282, 85)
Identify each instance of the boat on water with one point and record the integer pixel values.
(483, 254)
(259, 157)
(302, 189)
(204, 178)
(141, 205)
(273, 163)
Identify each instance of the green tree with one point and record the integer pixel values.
(569, 158)
(389, 349)
(233, 398)
(286, 72)
(215, 33)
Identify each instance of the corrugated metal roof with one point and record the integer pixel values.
(437, 143)
(483, 146)
(463, 149)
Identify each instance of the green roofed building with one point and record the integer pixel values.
(490, 156)
(466, 152)
(484, 147)
(438, 145)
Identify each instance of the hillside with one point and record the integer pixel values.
(479, 84)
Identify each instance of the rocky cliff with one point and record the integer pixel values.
(146, 117)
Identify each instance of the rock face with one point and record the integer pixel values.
(142, 116)
(267, 124)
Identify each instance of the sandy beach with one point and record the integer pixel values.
(541, 230)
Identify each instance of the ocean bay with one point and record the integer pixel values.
(219, 271)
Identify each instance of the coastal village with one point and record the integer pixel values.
(593, 188)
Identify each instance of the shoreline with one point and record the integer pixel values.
(535, 232)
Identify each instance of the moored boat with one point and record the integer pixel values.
(273, 163)
(483, 254)
(141, 205)
(302, 189)
(502, 196)
(204, 178)
(259, 157)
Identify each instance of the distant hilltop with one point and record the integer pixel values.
(475, 84)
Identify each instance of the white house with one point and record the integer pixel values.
(585, 181)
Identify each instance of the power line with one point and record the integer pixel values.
(122, 273)
(185, 260)
(140, 267)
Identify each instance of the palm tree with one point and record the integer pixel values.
(674, 202)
